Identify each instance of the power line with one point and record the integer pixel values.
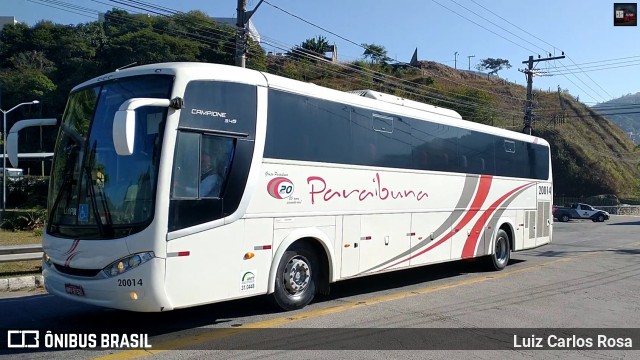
(402, 84)
(587, 75)
(406, 86)
(572, 71)
(120, 19)
(585, 84)
(496, 25)
(608, 60)
(554, 47)
(512, 24)
(489, 30)
(56, 7)
(353, 42)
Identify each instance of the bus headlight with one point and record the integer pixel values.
(46, 259)
(125, 264)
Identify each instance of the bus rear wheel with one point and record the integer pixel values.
(501, 254)
(296, 279)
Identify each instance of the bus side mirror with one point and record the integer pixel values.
(124, 123)
(12, 148)
(12, 136)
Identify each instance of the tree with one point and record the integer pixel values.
(316, 45)
(19, 85)
(310, 49)
(32, 60)
(376, 53)
(494, 65)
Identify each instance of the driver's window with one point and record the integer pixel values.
(202, 163)
(186, 166)
(215, 161)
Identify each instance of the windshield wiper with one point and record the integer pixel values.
(103, 198)
(94, 204)
(66, 183)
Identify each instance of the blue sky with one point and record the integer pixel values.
(583, 29)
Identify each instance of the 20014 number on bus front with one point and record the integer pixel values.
(130, 282)
(544, 190)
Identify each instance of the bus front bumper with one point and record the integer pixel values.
(139, 289)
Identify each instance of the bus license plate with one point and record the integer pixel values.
(74, 289)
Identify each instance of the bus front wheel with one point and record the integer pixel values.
(296, 278)
(501, 254)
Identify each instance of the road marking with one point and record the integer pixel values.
(271, 323)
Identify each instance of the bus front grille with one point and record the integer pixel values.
(77, 272)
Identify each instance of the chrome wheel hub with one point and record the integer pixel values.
(501, 250)
(296, 276)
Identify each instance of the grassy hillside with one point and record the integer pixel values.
(628, 115)
(591, 155)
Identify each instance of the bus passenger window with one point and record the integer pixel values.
(424, 160)
(463, 162)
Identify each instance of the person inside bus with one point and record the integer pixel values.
(210, 180)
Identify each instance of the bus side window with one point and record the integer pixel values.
(373, 155)
(424, 160)
(445, 161)
(463, 162)
(185, 171)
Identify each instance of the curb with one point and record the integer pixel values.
(21, 283)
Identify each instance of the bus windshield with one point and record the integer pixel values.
(95, 193)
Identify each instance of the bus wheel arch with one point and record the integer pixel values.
(294, 259)
(508, 228)
(502, 245)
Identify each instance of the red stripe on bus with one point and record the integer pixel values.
(73, 247)
(470, 246)
(478, 200)
(68, 261)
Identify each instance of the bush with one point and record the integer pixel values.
(28, 192)
(29, 220)
(8, 224)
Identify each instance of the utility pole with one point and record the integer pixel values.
(469, 57)
(242, 18)
(455, 60)
(529, 72)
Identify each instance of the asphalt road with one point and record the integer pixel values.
(587, 278)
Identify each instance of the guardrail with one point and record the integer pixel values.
(12, 253)
(621, 210)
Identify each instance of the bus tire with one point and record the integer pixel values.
(296, 278)
(501, 254)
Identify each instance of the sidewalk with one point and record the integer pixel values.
(21, 283)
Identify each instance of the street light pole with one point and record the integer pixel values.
(4, 153)
(455, 60)
(470, 56)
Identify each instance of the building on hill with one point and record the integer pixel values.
(253, 32)
(7, 20)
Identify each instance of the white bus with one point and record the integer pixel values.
(180, 184)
